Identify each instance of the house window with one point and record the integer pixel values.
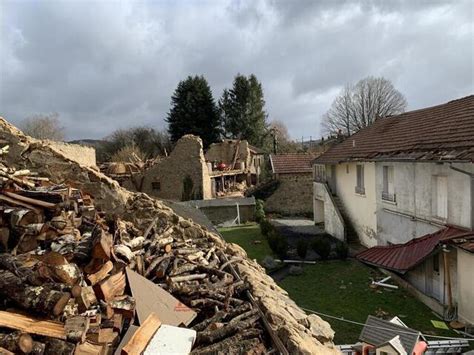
(156, 185)
(347, 168)
(440, 197)
(360, 187)
(388, 193)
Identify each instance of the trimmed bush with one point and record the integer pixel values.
(278, 244)
(266, 227)
(322, 247)
(342, 250)
(259, 211)
(302, 248)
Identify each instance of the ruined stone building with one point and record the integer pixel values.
(227, 169)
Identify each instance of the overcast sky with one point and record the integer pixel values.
(106, 65)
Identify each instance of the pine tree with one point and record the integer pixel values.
(193, 111)
(242, 110)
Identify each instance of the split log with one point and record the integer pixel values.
(102, 244)
(4, 351)
(162, 267)
(76, 328)
(212, 336)
(183, 269)
(16, 265)
(217, 317)
(88, 348)
(111, 287)
(57, 346)
(101, 274)
(38, 348)
(32, 325)
(151, 268)
(17, 342)
(175, 279)
(123, 252)
(225, 345)
(86, 299)
(140, 339)
(41, 299)
(124, 305)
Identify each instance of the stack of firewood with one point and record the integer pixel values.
(63, 279)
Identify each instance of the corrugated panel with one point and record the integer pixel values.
(403, 257)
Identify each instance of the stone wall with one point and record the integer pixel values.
(300, 333)
(225, 151)
(79, 153)
(294, 195)
(166, 179)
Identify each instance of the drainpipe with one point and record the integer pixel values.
(447, 276)
(471, 175)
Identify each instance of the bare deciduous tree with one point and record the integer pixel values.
(43, 126)
(357, 106)
(284, 144)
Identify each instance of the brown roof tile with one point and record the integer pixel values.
(291, 163)
(443, 132)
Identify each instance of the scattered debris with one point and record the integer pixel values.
(85, 276)
(383, 283)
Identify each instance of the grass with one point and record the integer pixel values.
(245, 236)
(341, 288)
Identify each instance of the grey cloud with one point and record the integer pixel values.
(106, 65)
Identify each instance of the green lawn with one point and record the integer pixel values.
(245, 236)
(341, 288)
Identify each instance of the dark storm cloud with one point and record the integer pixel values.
(104, 65)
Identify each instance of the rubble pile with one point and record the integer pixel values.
(89, 254)
(64, 260)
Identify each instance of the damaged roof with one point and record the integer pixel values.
(291, 163)
(403, 257)
(441, 133)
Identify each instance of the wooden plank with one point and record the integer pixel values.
(32, 325)
(30, 200)
(20, 203)
(142, 336)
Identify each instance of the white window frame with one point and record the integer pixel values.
(388, 188)
(360, 180)
(440, 198)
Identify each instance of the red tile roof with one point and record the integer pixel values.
(291, 163)
(403, 257)
(443, 132)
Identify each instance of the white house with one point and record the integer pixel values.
(402, 178)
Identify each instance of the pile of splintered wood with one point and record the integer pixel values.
(63, 283)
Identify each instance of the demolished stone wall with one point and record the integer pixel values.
(79, 153)
(225, 151)
(166, 179)
(300, 333)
